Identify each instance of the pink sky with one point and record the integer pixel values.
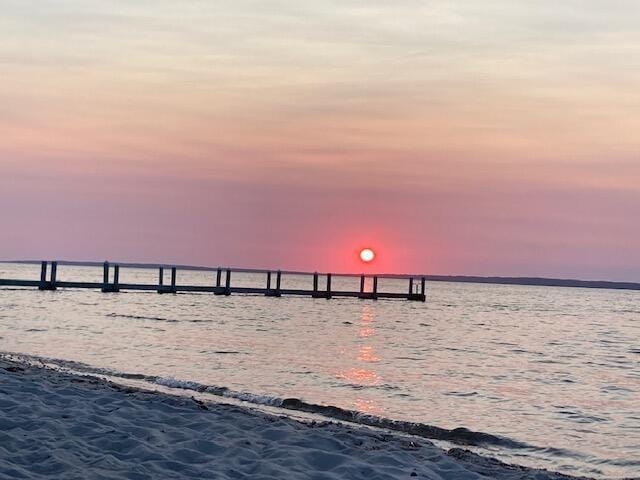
(499, 139)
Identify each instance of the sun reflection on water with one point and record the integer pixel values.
(360, 373)
(367, 406)
(367, 354)
(359, 377)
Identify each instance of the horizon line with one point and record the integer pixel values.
(483, 279)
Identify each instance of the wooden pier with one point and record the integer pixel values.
(273, 280)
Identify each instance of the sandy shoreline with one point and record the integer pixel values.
(58, 425)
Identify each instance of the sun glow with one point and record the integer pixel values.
(367, 255)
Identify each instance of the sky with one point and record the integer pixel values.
(499, 137)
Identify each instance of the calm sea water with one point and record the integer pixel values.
(557, 369)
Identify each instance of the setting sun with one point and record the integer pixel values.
(367, 255)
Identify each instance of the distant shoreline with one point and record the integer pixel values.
(494, 280)
(536, 281)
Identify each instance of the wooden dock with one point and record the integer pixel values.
(222, 286)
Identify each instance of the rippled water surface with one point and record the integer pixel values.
(555, 368)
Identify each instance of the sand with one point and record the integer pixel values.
(55, 425)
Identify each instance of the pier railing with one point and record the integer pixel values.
(222, 285)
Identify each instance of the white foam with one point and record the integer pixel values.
(175, 383)
(253, 398)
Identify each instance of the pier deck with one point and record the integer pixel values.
(111, 284)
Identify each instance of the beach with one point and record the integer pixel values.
(58, 425)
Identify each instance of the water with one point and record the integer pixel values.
(555, 369)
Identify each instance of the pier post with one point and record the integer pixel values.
(43, 276)
(218, 277)
(105, 277)
(411, 286)
(375, 288)
(161, 280)
(316, 293)
(227, 288)
(422, 289)
(116, 278)
(43, 272)
(54, 273)
(328, 295)
(273, 292)
(173, 279)
(361, 284)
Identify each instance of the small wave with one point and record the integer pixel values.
(574, 415)
(141, 317)
(615, 388)
(155, 319)
(372, 386)
(462, 394)
(174, 383)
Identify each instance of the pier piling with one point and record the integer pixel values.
(116, 278)
(270, 292)
(54, 273)
(173, 279)
(43, 276)
(226, 289)
(419, 293)
(105, 277)
(106, 286)
(44, 284)
(161, 288)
